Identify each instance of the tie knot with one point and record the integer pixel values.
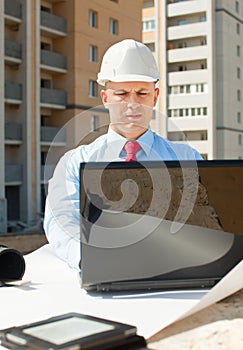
(131, 147)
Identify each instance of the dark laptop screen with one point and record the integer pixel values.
(202, 193)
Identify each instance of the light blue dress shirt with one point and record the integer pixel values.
(62, 219)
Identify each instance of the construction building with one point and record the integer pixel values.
(199, 47)
(50, 53)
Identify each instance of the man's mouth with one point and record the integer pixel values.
(134, 116)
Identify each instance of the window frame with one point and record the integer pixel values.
(93, 53)
(93, 88)
(113, 26)
(93, 18)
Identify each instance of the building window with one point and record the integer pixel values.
(93, 88)
(44, 120)
(113, 26)
(182, 136)
(238, 50)
(46, 46)
(182, 22)
(237, 6)
(46, 83)
(45, 9)
(200, 88)
(238, 72)
(93, 53)
(93, 19)
(238, 28)
(240, 139)
(181, 45)
(202, 19)
(148, 3)
(94, 123)
(203, 136)
(239, 117)
(149, 25)
(151, 46)
(182, 68)
(238, 95)
(205, 111)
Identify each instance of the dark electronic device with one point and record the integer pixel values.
(73, 331)
(160, 225)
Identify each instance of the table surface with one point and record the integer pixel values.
(218, 327)
(55, 289)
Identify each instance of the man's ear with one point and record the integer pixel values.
(103, 96)
(156, 95)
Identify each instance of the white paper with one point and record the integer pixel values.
(54, 289)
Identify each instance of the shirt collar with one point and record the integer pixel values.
(146, 141)
(115, 143)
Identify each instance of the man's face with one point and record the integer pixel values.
(131, 106)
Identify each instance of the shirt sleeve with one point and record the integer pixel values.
(62, 217)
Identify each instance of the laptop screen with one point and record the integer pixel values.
(202, 193)
(122, 204)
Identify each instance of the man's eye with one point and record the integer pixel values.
(142, 93)
(120, 93)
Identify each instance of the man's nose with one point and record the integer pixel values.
(132, 105)
(132, 99)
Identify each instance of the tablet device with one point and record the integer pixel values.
(72, 331)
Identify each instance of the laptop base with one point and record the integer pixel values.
(152, 285)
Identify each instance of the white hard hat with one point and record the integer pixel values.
(128, 60)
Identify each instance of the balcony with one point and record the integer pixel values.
(52, 98)
(188, 77)
(190, 30)
(13, 92)
(188, 100)
(188, 54)
(13, 174)
(13, 13)
(13, 52)
(13, 133)
(53, 25)
(187, 124)
(53, 135)
(179, 8)
(53, 61)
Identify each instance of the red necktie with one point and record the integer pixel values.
(131, 147)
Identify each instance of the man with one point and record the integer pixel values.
(129, 75)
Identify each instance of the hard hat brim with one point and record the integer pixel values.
(128, 78)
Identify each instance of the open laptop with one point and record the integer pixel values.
(160, 225)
